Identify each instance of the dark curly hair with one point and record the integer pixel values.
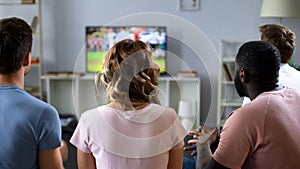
(261, 61)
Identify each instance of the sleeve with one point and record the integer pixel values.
(80, 138)
(179, 132)
(49, 129)
(238, 138)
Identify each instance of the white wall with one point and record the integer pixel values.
(64, 23)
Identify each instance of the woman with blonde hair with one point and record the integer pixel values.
(133, 130)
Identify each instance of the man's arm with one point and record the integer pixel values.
(50, 159)
(85, 160)
(205, 159)
(213, 164)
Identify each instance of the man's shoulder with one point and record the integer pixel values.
(29, 103)
(253, 108)
(38, 104)
(288, 73)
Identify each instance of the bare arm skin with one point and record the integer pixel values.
(175, 159)
(85, 160)
(50, 159)
(64, 150)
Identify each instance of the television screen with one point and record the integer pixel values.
(99, 39)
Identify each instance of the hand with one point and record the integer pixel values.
(204, 153)
(208, 135)
(195, 134)
(201, 136)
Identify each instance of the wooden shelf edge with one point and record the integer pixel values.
(17, 4)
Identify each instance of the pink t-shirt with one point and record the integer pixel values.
(138, 139)
(263, 134)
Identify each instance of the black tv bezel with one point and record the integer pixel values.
(100, 26)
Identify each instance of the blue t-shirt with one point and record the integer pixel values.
(27, 125)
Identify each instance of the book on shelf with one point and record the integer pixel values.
(33, 90)
(187, 74)
(34, 24)
(227, 73)
(64, 74)
(28, 1)
(35, 60)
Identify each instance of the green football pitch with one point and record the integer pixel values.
(94, 62)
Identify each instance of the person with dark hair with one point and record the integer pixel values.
(285, 40)
(263, 133)
(132, 131)
(30, 129)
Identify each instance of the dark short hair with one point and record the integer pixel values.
(15, 43)
(282, 37)
(259, 59)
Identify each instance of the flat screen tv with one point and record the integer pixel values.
(99, 39)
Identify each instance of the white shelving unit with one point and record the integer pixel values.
(229, 100)
(77, 94)
(8, 8)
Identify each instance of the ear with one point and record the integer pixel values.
(244, 76)
(27, 59)
(27, 63)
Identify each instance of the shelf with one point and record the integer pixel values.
(231, 104)
(35, 94)
(33, 90)
(33, 64)
(27, 11)
(222, 122)
(78, 94)
(228, 99)
(228, 59)
(226, 82)
(17, 4)
(92, 77)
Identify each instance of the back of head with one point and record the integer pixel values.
(129, 75)
(15, 44)
(261, 61)
(282, 37)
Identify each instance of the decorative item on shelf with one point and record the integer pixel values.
(30, 88)
(64, 74)
(33, 90)
(35, 60)
(187, 74)
(227, 73)
(34, 24)
(28, 1)
(189, 5)
(186, 112)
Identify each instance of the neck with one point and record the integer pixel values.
(255, 91)
(134, 105)
(13, 79)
